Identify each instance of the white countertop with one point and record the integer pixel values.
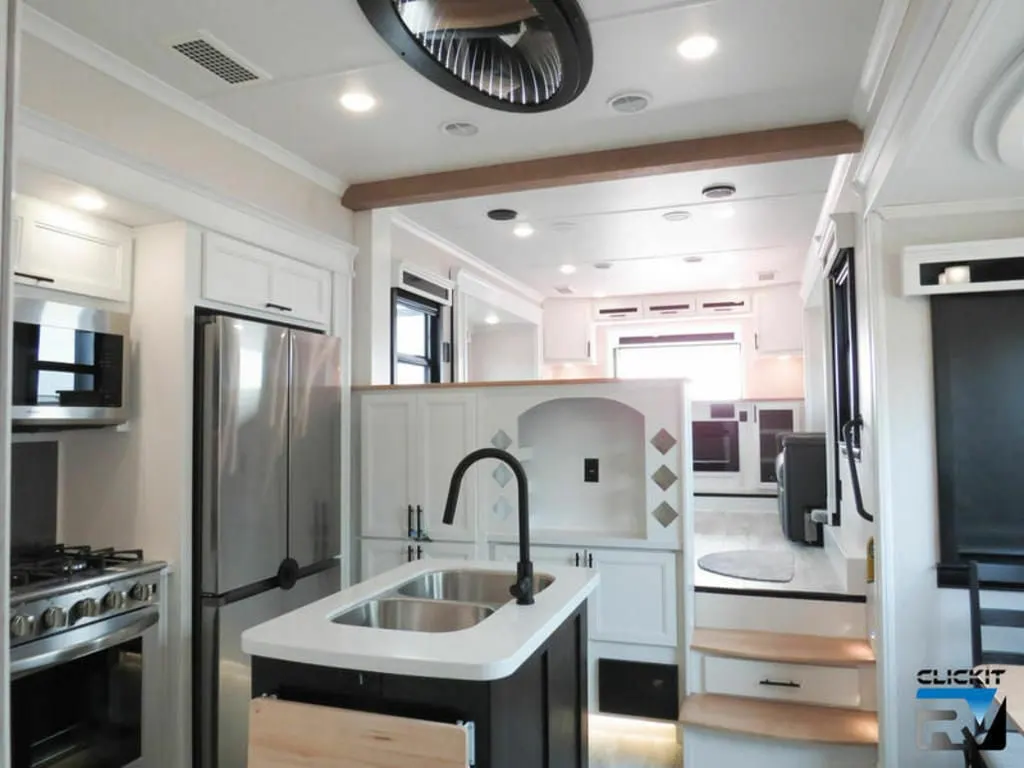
(491, 650)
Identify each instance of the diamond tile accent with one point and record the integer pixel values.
(503, 508)
(501, 440)
(665, 514)
(664, 477)
(663, 441)
(502, 475)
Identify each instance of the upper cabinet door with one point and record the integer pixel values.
(69, 251)
(236, 273)
(446, 433)
(388, 451)
(301, 291)
(636, 601)
(780, 321)
(568, 332)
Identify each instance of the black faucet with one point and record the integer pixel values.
(522, 590)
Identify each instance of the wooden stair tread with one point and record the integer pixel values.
(780, 720)
(791, 649)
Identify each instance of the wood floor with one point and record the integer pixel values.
(633, 751)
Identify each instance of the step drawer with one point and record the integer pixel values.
(833, 686)
(288, 734)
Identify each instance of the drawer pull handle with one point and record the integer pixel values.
(281, 307)
(780, 683)
(37, 278)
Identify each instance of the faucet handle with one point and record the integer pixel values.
(522, 590)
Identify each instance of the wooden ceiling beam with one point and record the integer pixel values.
(769, 146)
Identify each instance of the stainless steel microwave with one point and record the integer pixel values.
(69, 366)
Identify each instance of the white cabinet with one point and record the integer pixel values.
(568, 332)
(381, 555)
(636, 599)
(69, 251)
(832, 686)
(410, 444)
(780, 315)
(246, 276)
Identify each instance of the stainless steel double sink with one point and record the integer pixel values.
(439, 601)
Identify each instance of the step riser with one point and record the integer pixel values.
(704, 748)
(774, 614)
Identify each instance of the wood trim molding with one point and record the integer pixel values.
(768, 146)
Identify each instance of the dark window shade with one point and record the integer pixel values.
(845, 375)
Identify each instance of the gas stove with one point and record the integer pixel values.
(57, 589)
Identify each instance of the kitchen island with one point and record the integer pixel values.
(390, 668)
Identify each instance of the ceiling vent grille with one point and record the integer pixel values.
(565, 290)
(216, 58)
(765, 277)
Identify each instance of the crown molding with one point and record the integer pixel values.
(880, 50)
(88, 52)
(998, 124)
(59, 148)
(467, 258)
(953, 208)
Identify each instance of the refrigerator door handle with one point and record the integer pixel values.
(211, 452)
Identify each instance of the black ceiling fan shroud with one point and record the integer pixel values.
(563, 18)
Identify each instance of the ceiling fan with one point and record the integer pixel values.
(513, 55)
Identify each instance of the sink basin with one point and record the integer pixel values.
(467, 586)
(413, 615)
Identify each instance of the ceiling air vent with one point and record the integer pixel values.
(215, 57)
(765, 277)
(513, 55)
(565, 290)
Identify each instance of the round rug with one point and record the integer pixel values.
(751, 564)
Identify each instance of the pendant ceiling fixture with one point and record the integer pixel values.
(514, 55)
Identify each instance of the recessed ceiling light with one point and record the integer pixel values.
(693, 259)
(630, 102)
(502, 214)
(718, 191)
(603, 265)
(567, 269)
(724, 211)
(88, 201)
(523, 229)
(676, 215)
(357, 101)
(460, 129)
(697, 47)
(492, 319)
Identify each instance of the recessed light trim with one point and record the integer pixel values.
(502, 214)
(630, 102)
(675, 216)
(523, 229)
(697, 47)
(718, 191)
(603, 265)
(460, 129)
(693, 259)
(358, 101)
(567, 269)
(89, 201)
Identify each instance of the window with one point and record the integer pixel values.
(415, 339)
(845, 377)
(712, 361)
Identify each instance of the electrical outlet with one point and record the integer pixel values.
(590, 471)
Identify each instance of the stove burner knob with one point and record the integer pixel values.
(22, 625)
(53, 618)
(144, 593)
(85, 609)
(114, 601)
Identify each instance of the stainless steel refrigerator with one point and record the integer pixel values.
(267, 504)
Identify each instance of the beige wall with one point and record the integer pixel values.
(62, 88)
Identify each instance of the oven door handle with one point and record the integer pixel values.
(138, 622)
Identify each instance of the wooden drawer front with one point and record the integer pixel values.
(287, 734)
(832, 686)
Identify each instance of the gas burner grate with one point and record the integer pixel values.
(47, 563)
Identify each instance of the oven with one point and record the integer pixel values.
(77, 698)
(716, 446)
(69, 365)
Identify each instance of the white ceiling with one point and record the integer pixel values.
(918, 175)
(478, 311)
(33, 182)
(775, 211)
(780, 62)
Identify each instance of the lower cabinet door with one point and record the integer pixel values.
(833, 686)
(636, 599)
(380, 555)
(443, 550)
(290, 734)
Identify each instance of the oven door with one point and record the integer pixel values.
(716, 446)
(77, 698)
(68, 364)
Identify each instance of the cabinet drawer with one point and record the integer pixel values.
(784, 682)
(288, 734)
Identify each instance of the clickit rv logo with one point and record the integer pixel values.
(955, 704)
